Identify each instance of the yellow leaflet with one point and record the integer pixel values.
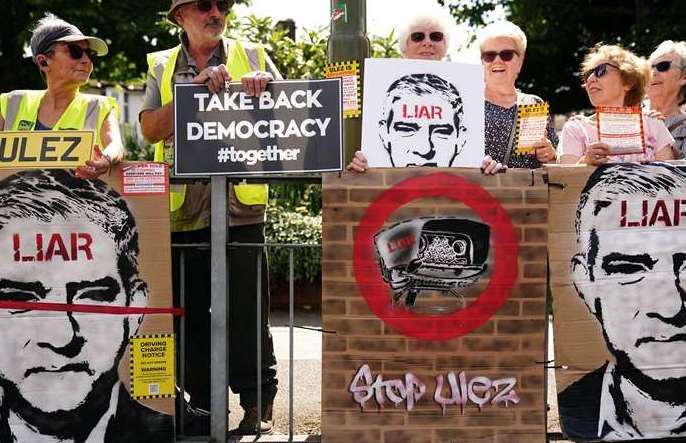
(531, 125)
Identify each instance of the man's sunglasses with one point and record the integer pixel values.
(222, 5)
(420, 36)
(599, 71)
(662, 66)
(505, 55)
(76, 52)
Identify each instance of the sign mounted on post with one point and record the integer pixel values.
(45, 149)
(294, 126)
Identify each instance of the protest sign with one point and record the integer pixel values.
(616, 262)
(434, 294)
(423, 113)
(621, 129)
(294, 126)
(83, 270)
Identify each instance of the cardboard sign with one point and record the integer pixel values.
(152, 366)
(621, 129)
(294, 126)
(532, 121)
(434, 283)
(617, 270)
(83, 269)
(423, 113)
(45, 149)
(349, 73)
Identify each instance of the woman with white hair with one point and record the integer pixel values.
(65, 59)
(667, 89)
(503, 45)
(424, 36)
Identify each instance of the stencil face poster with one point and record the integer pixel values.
(423, 113)
(619, 300)
(77, 281)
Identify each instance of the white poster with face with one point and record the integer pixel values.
(423, 113)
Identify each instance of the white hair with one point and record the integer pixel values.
(433, 16)
(671, 47)
(505, 29)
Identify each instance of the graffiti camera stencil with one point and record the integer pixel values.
(433, 254)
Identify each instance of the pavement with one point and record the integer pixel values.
(307, 382)
(307, 376)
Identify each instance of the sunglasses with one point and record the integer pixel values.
(76, 52)
(420, 36)
(505, 55)
(599, 71)
(222, 5)
(662, 66)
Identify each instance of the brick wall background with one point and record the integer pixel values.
(509, 344)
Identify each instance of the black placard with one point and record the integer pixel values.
(295, 126)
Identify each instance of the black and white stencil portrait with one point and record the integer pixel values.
(626, 257)
(422, 113)
(69, 247)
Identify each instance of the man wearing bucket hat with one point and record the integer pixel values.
(65, 57)
(205, 56)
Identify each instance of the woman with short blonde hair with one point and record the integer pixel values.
(613, 77)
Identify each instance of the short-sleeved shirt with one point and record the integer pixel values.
(498, 127)
(187, 69)
(578, 133)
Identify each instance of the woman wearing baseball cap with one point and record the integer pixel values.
(65, 56)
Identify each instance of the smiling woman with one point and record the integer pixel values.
(667, 90)
(503, 45)
(613, 77)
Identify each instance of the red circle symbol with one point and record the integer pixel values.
(429, 326)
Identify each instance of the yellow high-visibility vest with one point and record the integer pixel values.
(239, 61)
(87, 111)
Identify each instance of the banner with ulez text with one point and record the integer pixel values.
(294, 126)
(434, 286)
(617, 258)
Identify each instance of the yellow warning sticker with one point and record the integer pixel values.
(152, 366)
(45, 149)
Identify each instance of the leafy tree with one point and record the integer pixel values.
(130, 28)
(560, 32)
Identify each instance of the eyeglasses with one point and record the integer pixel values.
(599, 71)
(433, 36)
(505, 55)
(76, 52)
(663, 66)
(222, 5)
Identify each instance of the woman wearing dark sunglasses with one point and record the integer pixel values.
(425, 36)
(65, 59)
(667, 90)
(502, 46)
(613, 77)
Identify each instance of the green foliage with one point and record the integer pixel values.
(384, 46)
(298, 197)
(560, 32)
(130, 28)
(136, 149)
(294, 227)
